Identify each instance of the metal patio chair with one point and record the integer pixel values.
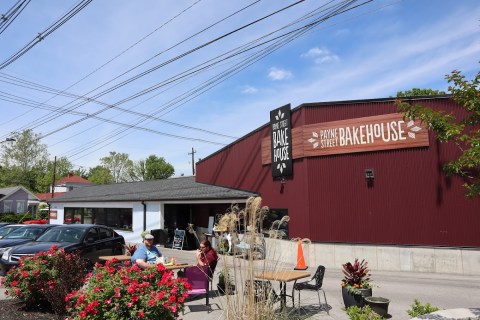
(314, 284)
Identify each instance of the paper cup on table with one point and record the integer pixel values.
(160, 260)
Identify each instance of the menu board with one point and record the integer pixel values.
(178, 238)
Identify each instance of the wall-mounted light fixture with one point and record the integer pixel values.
(283, 182)
(369, 174)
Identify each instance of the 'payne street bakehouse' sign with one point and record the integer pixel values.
(281, 142)
(383, 132)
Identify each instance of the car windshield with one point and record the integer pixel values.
(7, 229)
(24, 233)
(62, 235)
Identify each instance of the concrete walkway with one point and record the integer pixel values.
(441, 290)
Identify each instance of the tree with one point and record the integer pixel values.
(464, 132)
(100, 175)
(119, 165)
(416, 92)
(62, 167)
(138, 171)
(24, 158)
(157, 168)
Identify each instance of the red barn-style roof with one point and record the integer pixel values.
(71, 178)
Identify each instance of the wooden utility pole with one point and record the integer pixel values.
(193, 160)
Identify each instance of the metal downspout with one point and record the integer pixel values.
(144, 215)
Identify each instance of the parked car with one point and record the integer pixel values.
(3, 224)
(9, 228)
(90, 241)
(22, 235)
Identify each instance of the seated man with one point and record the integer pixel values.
(207, 256)
(146, 254)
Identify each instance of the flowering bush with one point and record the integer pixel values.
(128, 293)
(357, 276)
(46, 277)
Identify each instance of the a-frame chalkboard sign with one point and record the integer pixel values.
(178, 238)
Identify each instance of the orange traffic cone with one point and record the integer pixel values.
(300, 259)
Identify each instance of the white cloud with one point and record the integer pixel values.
(249, 90)
(320, 55)
(279, 74)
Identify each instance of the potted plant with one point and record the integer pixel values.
(225, 284)
(356, 283)
(130, 249)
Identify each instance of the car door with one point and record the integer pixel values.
(105, 245)
(89, 250)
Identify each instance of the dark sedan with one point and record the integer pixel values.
(90, 241)
(22, 235)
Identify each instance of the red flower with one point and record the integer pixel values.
(141, 314)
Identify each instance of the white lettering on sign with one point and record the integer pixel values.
(363, 134)
(280, 144)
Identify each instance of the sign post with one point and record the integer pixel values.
(281, 142)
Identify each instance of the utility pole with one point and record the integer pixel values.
(53, 185)
(193, 160)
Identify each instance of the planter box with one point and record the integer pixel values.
(350, 299)
(378, 304)
(230, 289)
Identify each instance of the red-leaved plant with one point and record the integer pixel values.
(130, 248)
(46, 277)
(357, 276)
(129, 292)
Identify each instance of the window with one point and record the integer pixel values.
(92, 235)
(7, 206)
(118, 218)
(105, 233)
(273, 220)
(20, 206)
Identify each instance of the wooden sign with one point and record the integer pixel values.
(383, 132)
(178, 238)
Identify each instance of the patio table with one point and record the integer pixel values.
(283, 276)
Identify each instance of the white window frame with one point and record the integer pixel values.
(20, 206)
(7, 206)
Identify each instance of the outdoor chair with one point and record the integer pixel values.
(198, 278)
(263, 291)
(314, 284)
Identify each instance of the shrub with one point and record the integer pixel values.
(365, 313)
(46, 277)
(10, 217)
(128, 293)
(417, 309)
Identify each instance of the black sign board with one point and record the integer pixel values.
(178, 239)
(281, 138)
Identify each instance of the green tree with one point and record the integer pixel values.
(464, 132)
(138, 171)
(119, 165)
(23, 159)
(416, 92)
(157, 168)
(100, 175)
(62, 167)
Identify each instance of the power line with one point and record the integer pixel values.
(10, 16)
(45, 120)
(42, 35)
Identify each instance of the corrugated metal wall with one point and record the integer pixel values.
(410, 201)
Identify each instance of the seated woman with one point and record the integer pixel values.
(207, 256)
(146, 254)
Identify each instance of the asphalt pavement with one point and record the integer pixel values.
(445, 291)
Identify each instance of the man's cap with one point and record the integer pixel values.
(148, 236)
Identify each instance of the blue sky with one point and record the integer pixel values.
(371, 51)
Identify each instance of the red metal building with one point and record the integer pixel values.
(410, 200)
